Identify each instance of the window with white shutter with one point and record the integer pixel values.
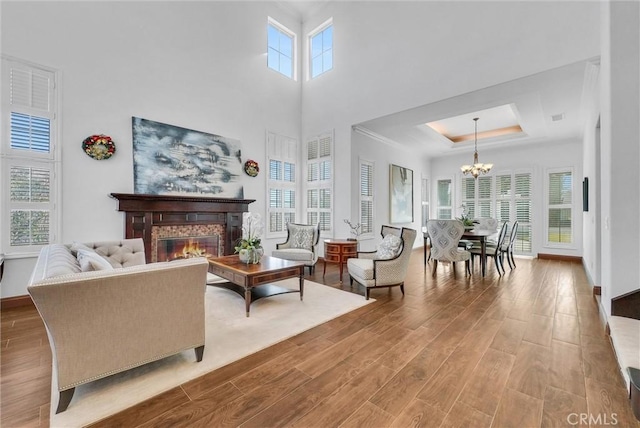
(29, 159)
(366, 198)
(523, 206)
(477, 196)
(320, 181)
(506, 197)
(281, 183)
(559, 207)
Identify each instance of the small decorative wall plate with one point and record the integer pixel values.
(251, 168)
(99, 146)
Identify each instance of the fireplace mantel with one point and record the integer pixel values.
(144, 211)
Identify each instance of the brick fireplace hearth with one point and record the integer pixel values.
(153, 217)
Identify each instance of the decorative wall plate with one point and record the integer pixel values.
(251, 168)
(99, 146)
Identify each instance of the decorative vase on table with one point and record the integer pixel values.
(251, 255)
(249, 249)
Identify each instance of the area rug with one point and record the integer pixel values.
(230, 335)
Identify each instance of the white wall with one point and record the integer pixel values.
(620, 126)
(198, 65)
(382, 155)
(393, 56)
(535, 158)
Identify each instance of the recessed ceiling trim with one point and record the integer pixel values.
(515, 129)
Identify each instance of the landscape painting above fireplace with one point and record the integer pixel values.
(170, 160)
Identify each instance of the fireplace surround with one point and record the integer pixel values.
(153, 217)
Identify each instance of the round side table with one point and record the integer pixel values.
(338, 251)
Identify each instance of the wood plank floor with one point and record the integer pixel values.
(525, 350)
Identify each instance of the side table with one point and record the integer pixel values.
(338, 251)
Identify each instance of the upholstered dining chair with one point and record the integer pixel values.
(386, 267)
(445, 236)
(300, 246)
(506, 250)
(493, 251)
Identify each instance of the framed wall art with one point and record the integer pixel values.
(400, 194)
(170, 160)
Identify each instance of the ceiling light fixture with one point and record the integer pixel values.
(477, 168)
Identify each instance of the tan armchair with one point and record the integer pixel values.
(301, 244)
(372, 271)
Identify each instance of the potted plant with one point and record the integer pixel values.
(249, 248)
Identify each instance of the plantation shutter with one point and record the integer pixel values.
(366, 197)
(320, 181)
(485, 193)
(29, 161)
(469, 196)
(559, 227)
(523, 204)
(281, 186)
(503, 198)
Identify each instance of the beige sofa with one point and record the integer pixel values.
(102, 322)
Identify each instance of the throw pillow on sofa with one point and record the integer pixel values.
(389, 247)
(90, 261)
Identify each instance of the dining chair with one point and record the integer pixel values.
(492, 251)
(445, 236)
(506, 250)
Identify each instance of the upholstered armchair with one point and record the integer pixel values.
(445, 236)
(301, 244)
(386, 267)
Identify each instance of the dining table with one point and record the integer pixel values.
(480, 235)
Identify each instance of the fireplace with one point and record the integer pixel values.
(174, 248)
(159, 219)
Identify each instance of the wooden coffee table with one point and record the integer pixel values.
(254, 281)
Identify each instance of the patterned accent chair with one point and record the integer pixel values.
(300, 246)
(386, 267)
(445, 235)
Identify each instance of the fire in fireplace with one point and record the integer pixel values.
(186, 247)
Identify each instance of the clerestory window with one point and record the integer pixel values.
(280, 49)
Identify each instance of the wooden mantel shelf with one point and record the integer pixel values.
(144, 211)
(156, 203)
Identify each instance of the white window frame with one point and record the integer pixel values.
(367, 233)
(283, 149)
(514, 215)
(475, 202)
(548, 206)
(439, 207)
(294, 48)
(320, 184)
(321, 28)
(512, 199)
(26, 158)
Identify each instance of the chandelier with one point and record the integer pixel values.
(477, 168)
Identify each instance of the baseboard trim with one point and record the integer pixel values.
(15, 302)
(564, 258)
(597, 290)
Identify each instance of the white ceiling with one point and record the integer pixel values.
(532, 100)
